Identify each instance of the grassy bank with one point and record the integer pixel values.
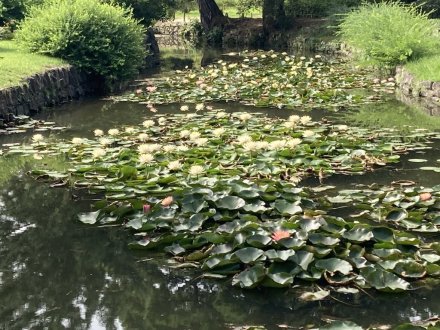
(16, 64)
(427, 68)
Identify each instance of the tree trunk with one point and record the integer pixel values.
(210, 14)
(274, 15)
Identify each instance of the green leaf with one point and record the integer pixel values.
(383, 280)
(230, 203)
(315, 296)
(359, 234)
(333, 265)
(250, 278)
(89, 218)
(397, 215)
(286, 208)
(249, 255)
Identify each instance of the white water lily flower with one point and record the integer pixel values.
(98, 132)
(191, 116)
(162, 121)
(98, 153)
(341, 127)
(146, 158)
(38, 157)
(1, 152)
(143, 137)
(294, 118)
(200, 107)
(274, 56)
(200, 141)
(277, 145)
(194, 135)
(185, 133)
(308, 133)
(289, 124)
(77, 140)
(244, 138)
(174, 165)
(219, 131)
(169, 148)
(129, 130)
(182, 148)
(261, 145)
(105, 141)
(113, 131)
(184, 108)
(148, 148)
(37, 138)
(250, 146)
(245, 116)
(221, 115)
(295, 179)
(305, 120)
(293, 143)
(196, 170)
(148, 123)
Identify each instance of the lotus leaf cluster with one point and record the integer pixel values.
(266, 79)
(219, 192)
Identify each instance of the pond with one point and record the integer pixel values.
(57, 273)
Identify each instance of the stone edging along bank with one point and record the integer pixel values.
(52, 87)
(426, 93)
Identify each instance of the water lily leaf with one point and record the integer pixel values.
(279, 256)
(315, 296)
(128, 172)
(333, 265)
(383, 280)
(175, 249)
(341, 325)
(250, 278)
(410, 269)
(89, 218)
(292, 243)
(287, 208)
(230, 203)
(321, 239)
(359, 234)
(397, 215)
(383, 234)
(277, 280)
(258, 241)
(303, 259)
(258, 207)
(249, 255)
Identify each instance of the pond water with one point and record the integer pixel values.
(56, 273)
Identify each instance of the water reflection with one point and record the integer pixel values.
(58, 274)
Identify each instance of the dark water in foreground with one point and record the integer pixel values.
(58, 274)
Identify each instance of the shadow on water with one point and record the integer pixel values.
(58, 274)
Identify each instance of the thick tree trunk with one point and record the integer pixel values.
(210, 14)
(274, 15)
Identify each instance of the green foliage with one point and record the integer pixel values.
(15, 9)
(245, 6)
(318, 8)
(427, 68)
(390, 33)
(99, 38)
(147, 11)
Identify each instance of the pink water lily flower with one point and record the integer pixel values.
(147, 208)
(279, 235)
(151, 89)
(167, 201)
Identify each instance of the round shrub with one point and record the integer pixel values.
(390, 33)
(99, 38)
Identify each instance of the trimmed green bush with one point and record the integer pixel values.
(99, 38)
(390, 33)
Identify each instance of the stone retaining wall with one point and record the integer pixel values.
(52, 87)
(426, 93)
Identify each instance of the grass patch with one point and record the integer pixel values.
(427, 68)
(393, 114)
(17, 64)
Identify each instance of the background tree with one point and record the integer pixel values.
(274, 15)
(210, 14)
